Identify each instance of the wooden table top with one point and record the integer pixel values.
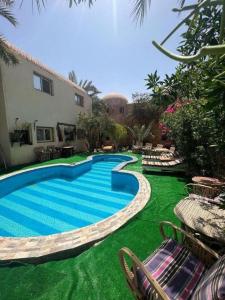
(207, 180)
(203, 217)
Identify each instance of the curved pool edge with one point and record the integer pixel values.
(38, 248)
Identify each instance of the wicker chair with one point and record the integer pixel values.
(191, 245)
(54, 152)
(41, 154)
(202, 190)
(159, 146)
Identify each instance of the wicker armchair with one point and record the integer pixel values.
(194, 247)
(202, 190)
(41, 154)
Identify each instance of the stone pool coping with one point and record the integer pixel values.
(40, 247)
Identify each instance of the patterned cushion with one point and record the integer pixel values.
(175, 269)
(216, 200)
(212, 285)
(220, 198)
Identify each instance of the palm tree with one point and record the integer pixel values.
(5, 53)
(140, 132)
(87, 85)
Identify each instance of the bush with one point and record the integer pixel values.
(199, 135)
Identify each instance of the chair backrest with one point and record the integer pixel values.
(51, 148)
(172, 149)
(148, 144)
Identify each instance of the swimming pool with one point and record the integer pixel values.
(59, 199)
(50, 209)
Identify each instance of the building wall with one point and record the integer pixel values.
(4, 137)
(28, 104)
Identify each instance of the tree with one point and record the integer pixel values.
(140, 132)
(5, 12)
(197, 132)
(143, 110)
(98, 106)
(118, 134)
(87, 85)
(96, 128)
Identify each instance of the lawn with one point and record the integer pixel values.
(96, 273)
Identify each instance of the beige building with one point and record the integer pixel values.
(117, 106)
(38, 107)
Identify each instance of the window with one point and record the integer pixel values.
(43, 84)
(44, 134)
(122, 110)
(79, 100)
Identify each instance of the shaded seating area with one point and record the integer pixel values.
(181, 268)
(52, 152)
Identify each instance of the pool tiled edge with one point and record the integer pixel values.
(36, 248)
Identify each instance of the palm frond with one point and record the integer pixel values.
(7, 2)
(77, 2)
(147, 130)
(73, 77)
(6, 54)
(39, 4)
(6, 13)
(140, 9)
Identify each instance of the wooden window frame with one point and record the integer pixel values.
(76, 96)
(41, 81)
(51, 134)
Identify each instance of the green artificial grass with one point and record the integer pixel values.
(96, 273)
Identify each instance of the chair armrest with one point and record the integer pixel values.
(202, 190)
(204, 253)
(131, 275)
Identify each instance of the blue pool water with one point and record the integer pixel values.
(58, 203)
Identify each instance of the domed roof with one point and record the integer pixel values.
(111, 96)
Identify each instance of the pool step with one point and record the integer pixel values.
(73, 191)
(69, 201)
(92, 188)
(93, 181)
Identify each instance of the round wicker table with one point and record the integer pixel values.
(204, 218)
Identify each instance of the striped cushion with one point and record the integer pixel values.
(212, 285)
(176, 270)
